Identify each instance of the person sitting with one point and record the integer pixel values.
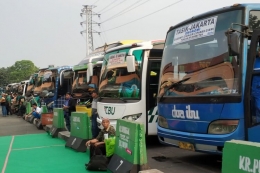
(22, 110)
(97, 145)
(36, 112)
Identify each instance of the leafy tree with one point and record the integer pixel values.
(21, 70)
(4, 79)
(254, 22)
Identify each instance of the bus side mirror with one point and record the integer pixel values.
(130, 61)
(61, 78)
(233, 42)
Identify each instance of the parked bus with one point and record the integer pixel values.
(129, 84)
(38, 82)
(12, 88)
(85, 82)
(87, 74)
(30, 87)
(205, 80)
(56, 81)
(23, 87)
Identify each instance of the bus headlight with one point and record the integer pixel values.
(132, 117)
(222, 126)
(162, 122)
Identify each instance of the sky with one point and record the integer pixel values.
(47, 32)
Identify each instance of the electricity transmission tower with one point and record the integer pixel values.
(87, 10)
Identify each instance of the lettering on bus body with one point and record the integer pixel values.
(109, 110)
(188, 113)
(249, 165)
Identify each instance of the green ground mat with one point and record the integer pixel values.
(4, 147)
(42, 154)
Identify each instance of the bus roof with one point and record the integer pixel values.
(137, 44)
(212, 12)
(60, 67)
(98, 53)
(12, 84)
(24, 81)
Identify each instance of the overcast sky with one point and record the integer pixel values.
(48, 31)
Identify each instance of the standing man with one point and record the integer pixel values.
(8, 104)
(68, 107)
(94, 128)
(3, 104)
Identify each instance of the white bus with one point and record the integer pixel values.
(129, 84)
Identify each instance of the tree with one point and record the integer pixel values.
(4, 79)
(254, 22)
(21, 70)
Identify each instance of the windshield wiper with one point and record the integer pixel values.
(122, 99)
(174, 85)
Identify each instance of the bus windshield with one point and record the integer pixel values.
(80, 82)
(48, 80)
(197, 54)
(116, 81)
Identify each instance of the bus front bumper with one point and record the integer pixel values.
(209, 143)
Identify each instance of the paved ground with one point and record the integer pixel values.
(12, 125)
(164, 158)
(170, 159)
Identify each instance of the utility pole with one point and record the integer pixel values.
(87, 10)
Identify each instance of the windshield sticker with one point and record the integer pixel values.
(199, 29)
(118, 58)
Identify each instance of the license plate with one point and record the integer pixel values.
(186, 146)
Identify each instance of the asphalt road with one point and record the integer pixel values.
(164, 158)
(170, 159)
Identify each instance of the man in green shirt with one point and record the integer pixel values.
(97, 145)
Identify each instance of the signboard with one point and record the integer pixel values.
(118, 58)
(130, 151)
(130, 142)
(80, 125)
(192, 31)
(241, 157)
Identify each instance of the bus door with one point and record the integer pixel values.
(153, 71)
(66, 80)
(252, 91)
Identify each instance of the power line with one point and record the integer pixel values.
(122, 12)
(107, 5)
(114, 6)
(144, 16)
(95, 2)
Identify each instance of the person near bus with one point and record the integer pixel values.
(22, 110)
(3, 105)
(8, 104)
(97, 145)
(36, 111)
(94, 125)
(68, 107)
(255, 90)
